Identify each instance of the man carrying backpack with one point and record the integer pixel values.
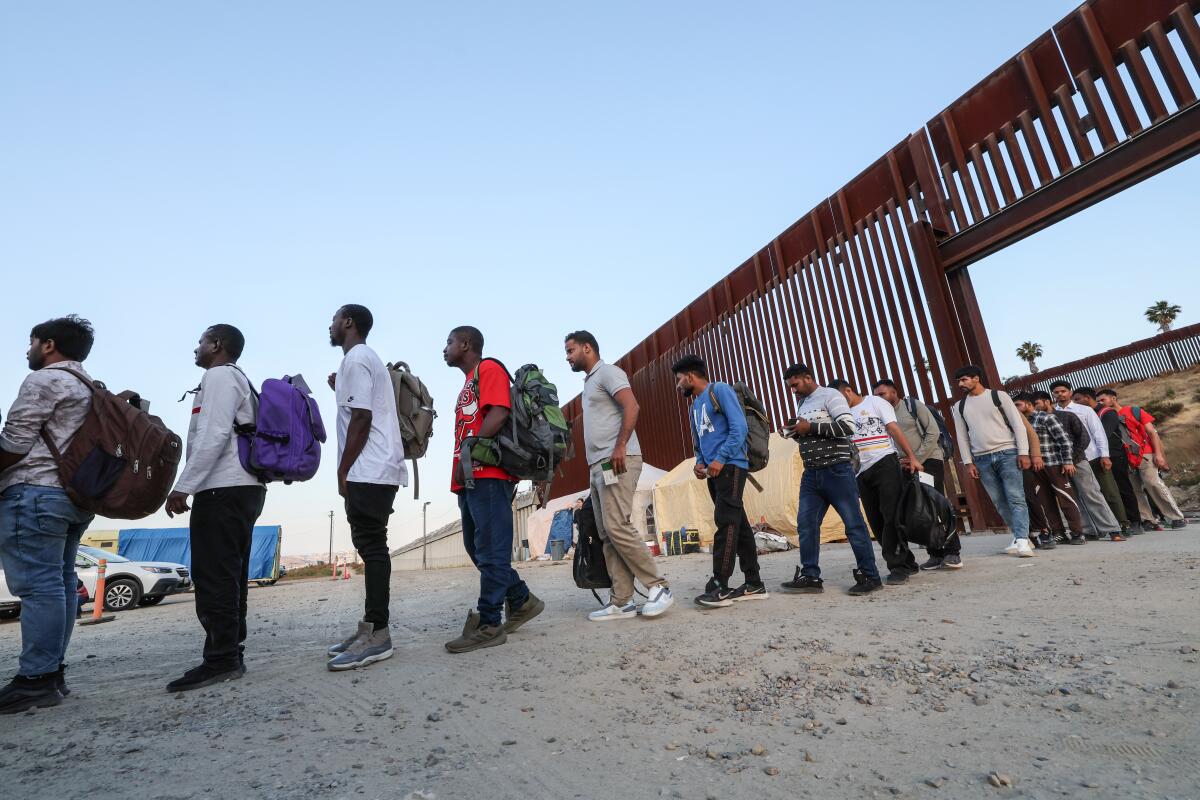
(993, 442)
(370, 472)
(485, 495)
(719, 430)
(924, 431)
(227, 501)
(1113, 427)
(1147, 457)
(39, 525)
(610, 413)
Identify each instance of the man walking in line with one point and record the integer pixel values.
(485, 495)
(226, 502)
(994, 447)
(1147, 460)
(1093, 491)
(923, 432)
(1124, 504)
(1050, 484)
(370, 472)
(614, 458)
(880, 476)
(823, 429)
(719, 431)
(1098, 520)
(39, 525)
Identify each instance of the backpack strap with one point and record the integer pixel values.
(55, 453)
(911, 405)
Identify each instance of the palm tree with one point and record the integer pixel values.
(1163, 314)
(1028, 352)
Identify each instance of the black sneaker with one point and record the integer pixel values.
(1077, 539)
(1135, 529)
(1046, 541)
(934, 562)
(60, 680)
(1060, 538)
(1179, 524)
(803, 584)
(717, 596)
(1151, 526)
(203, 675)
(24, 693)
(749, 591)
(953, 561)
(863, 584)
(1092, 537)
(898, 577)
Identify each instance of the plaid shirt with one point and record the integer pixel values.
(1055, 443)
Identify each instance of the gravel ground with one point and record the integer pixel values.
(1070, 674)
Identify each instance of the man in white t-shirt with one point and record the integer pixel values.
(880, 476)
(370, 471)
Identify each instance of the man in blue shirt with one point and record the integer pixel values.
(719, 432)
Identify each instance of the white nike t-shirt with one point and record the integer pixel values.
(873, 415)
(363, 382)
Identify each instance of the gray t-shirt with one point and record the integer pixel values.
(602, 413)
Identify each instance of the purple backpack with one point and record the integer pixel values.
(284, 443)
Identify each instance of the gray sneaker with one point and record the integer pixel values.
(369, 646)
(340, 647)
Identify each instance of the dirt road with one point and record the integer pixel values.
(1071, 674)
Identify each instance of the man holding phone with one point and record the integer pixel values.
(610, 413)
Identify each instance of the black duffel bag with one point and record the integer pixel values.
(588, 567)
(924, 515)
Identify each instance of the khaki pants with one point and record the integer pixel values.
(625, 552)
(1146, 480)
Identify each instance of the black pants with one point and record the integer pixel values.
(1120, 473)
(368, 507)
(879, 487)
(936, 468)
(734, 534)
(221, 527)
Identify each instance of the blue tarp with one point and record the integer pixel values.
(174, 545)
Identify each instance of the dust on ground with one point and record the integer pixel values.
(1070, 674)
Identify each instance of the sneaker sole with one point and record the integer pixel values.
(361, 663)
(48, 701)
(232, 675)
(758, 596)
(658, 613)
(789, 590)
(607, 618)
(861, 592)
(499, 640)
(512, 625)
(952, 566)
(716, 604)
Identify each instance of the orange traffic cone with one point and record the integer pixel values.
(98, 614)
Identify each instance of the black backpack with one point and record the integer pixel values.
(588, 567)
(758, 428)
(925, 516)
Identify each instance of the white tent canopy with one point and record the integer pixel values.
(537, 529)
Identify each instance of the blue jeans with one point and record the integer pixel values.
(834, 486)
(39, 536)
(1001, 476)
(488, 536)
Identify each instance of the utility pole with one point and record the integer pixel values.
(424, 535)
(330, 538)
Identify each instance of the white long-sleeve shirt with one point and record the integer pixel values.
(988, 429)
(223, 400)
(1095, 428)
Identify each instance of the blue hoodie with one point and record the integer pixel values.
(721, 434)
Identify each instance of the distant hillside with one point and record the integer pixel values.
(1174, 400)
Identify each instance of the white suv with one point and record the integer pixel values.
(126, 583)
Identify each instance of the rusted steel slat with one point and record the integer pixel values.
(1189, 33)
(822, 352)
(913, 371)
(884, 342)
(1015, 156)
(992, 147)
(812, 319)
(931, 186)
(927, 380)
(1108, 68)
(1142, 81)
(784, 272)
(1034, 144)
(1096, 110)
(966, 305)
(1083, 148)
(1058, 147)
(825, 275)
(1168, 64)
(804, 336)
(960, 215)
(775, 346)
(892, 297)
(983, 178)
(752, 331)
(847, 307)
(959, 160)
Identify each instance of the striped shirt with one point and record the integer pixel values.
(872, 416)
(828, 442)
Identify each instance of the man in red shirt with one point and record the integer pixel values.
(485, 496)
(1148, 459)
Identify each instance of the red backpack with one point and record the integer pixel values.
(121, 463)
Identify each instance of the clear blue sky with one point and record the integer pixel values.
(530, 168)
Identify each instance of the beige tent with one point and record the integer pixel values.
(537, 529)
(682, 501)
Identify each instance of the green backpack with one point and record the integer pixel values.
(537, 438)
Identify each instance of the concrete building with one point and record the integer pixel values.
(444, 547)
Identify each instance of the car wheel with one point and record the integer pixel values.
(121, 595)
(265, 583)
(151, 601)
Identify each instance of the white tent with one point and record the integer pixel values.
(538, 527)
(681, 500)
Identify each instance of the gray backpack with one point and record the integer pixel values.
(758, 428)
(414, 409)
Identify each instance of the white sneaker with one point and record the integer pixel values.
(627, 611)
(543, 557)
(660, 600)
(1024, 550)
(1012, 547)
